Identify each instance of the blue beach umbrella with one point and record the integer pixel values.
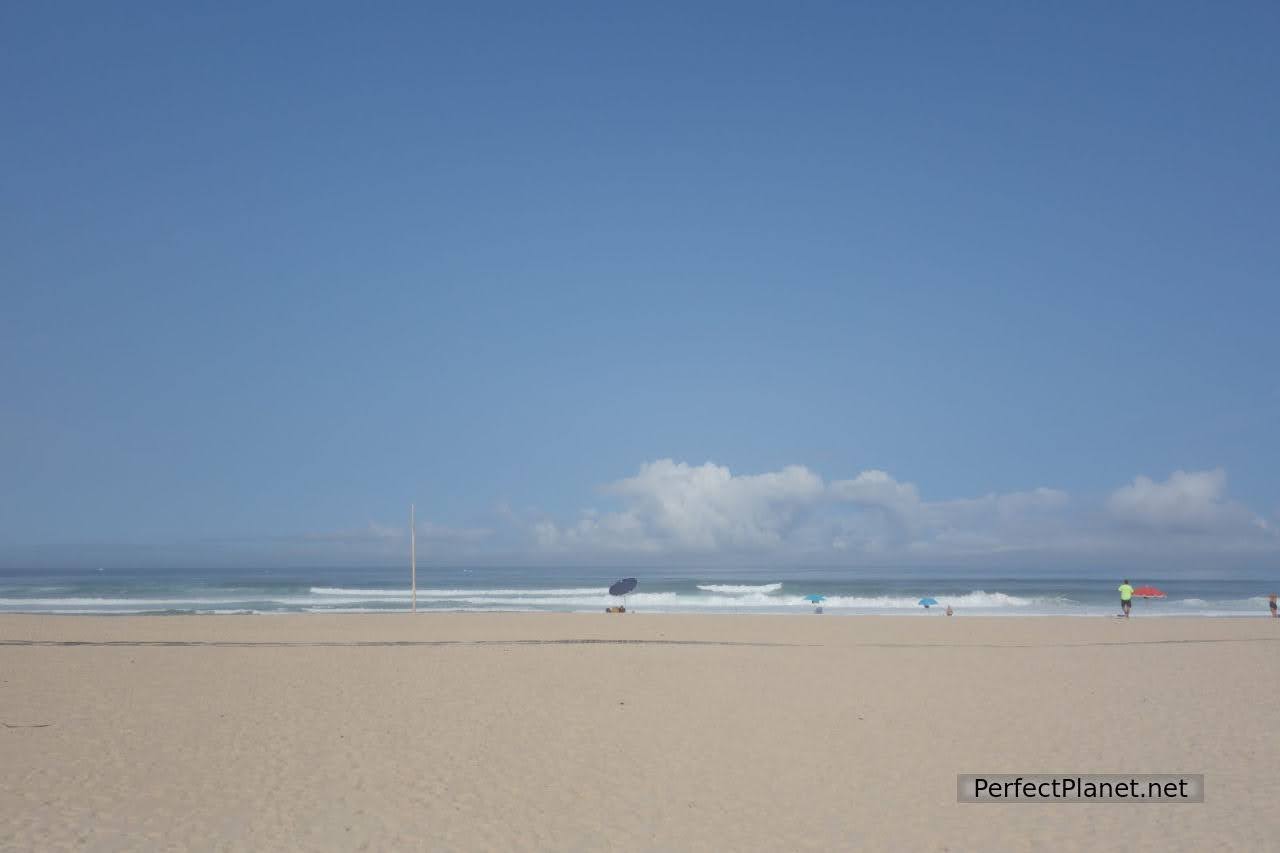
(928, 602)
(816, 598)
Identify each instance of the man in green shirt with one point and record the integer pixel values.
(1126, 597)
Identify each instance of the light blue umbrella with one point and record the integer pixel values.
(815, 598)
(928, 602)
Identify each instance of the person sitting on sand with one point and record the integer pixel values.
(1272, 605)
(1126, 597)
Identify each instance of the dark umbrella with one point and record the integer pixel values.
(623, 586)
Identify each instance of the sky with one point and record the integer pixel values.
(842, 283)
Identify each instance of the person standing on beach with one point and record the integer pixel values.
(1272, 604)
(1126, 597)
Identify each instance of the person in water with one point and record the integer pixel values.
(1272, 605)
(1126, 597)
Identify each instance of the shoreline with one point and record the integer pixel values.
(465, 623)
(727, 614)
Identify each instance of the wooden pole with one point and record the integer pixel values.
(413, 556)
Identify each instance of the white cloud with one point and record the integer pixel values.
(1189, 501)
(671, 508)
(672, 505)
(615, 531)
(876, 488)
(993, 522)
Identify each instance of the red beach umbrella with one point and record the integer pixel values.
(1148, 592)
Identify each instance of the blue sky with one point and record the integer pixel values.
(272, 271)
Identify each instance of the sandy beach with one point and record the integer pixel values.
(636, 732)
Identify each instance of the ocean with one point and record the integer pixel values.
(385, 590)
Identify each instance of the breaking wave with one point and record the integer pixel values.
(663, 596)
(453, 593)
(739, 589)
(710, 597)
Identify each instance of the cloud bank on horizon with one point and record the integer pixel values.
(676, 513)
(674, 509)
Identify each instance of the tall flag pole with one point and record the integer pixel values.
(413, 556)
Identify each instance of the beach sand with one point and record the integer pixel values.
(635, 732)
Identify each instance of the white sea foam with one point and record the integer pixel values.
(706, 598)
(574, 600)
(739, 589)
(134, 611)
(109, 602)
(724, 597)
(1257, 602)
(405, 609)
(454, 593)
